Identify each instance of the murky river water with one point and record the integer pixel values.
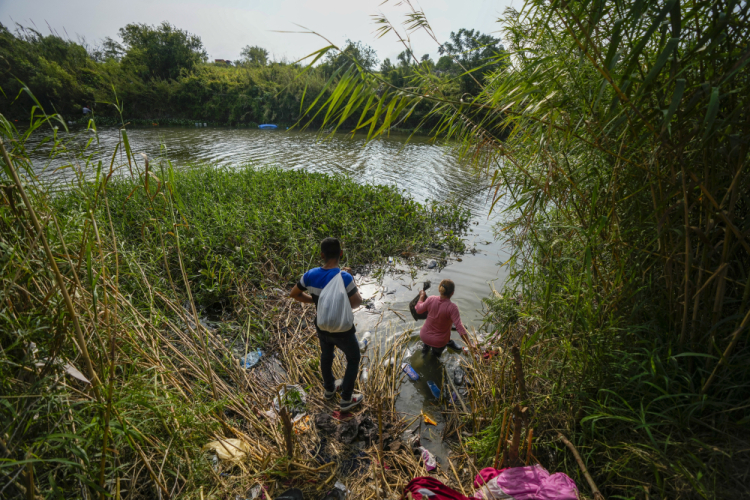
(425, 170)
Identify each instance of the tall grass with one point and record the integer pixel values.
(617, 137)
(109, 278)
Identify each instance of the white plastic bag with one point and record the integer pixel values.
(334, 310)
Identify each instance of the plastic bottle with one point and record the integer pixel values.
(365, 375)
(410, 372)
(434, 389)
(251, 359)
(364, 342)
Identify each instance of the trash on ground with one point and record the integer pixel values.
(347, 431)
(69, 369)
(251, 359)
(365, 375)
(432, 264)
(294, 397)
(434, 389)
(293, 494)
(301, 423)
(364, 342)
(229, 449)
(428, 420)
(410, 372)
(532, 481)
(430, 488)
(429, 459)
(254, 492)
(342, 416)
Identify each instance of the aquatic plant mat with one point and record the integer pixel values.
(131, 300)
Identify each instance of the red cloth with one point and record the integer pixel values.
(342, 416)
(486, 475)
(441, 314)
(439, 490)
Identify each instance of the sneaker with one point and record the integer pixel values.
(355, 400)
(337, 388)
(452, 345)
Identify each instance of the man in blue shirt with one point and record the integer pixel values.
(314, 281)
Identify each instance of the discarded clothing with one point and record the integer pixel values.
(486, 475)
(429, 488)
(526, 483)
(293, 494)
(358, 427)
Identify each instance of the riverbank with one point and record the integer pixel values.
(129, 369)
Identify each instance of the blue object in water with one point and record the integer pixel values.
(410, 372)
(434, 388)
(267, 126)
(251, 359)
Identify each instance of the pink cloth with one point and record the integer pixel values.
(441, 314)
(527, 483)
(429, 488)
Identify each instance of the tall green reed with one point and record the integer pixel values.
(617, 139)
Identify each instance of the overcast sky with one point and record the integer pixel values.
(225, 26)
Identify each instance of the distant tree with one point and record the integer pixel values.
(405, 58)
(254, 56)
(386, 67)
(109, 49)
(365, 55)
(474, 51)
(161, 51)
(445, 63)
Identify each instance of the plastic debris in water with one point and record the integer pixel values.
(429, 459)
(434, 389)
(251, 359)
(410, 372)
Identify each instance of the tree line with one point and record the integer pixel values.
(163, 73)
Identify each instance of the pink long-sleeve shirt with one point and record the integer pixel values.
(441, 314)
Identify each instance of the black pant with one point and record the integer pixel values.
(349, 345)
(437, 351)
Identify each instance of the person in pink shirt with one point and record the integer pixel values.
(441, 315)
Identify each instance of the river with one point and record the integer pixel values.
(425, 170)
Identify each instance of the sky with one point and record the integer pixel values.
(225, 26)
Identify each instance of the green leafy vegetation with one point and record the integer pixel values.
(160, 75)
(112, 379)
(243, 221)
(616, 135)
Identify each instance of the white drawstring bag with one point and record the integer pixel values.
(334, 310)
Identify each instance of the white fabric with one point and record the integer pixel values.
(334, 310)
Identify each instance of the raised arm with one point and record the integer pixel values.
(421, 306)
